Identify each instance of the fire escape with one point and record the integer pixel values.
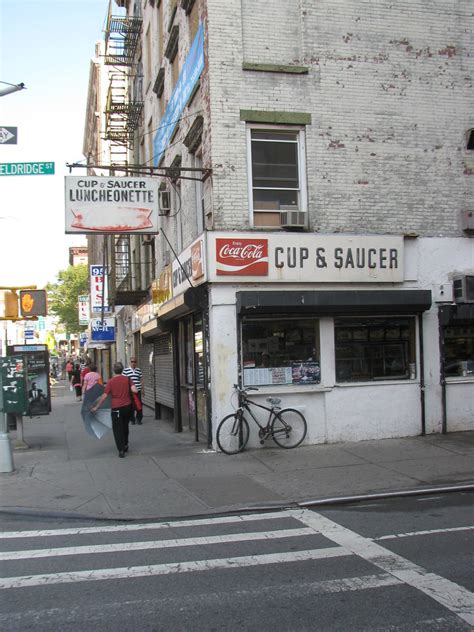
(128, 273)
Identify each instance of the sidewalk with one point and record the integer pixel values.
(166, 474)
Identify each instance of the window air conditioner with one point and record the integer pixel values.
(463, 289)
(293, 219)
(164, 202)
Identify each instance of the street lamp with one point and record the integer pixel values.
(12, 87)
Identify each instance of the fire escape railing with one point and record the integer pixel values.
(122, 38)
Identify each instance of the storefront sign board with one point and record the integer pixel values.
(305, 258)
(190, 270)
(101, 205)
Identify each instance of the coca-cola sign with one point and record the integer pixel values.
(242, 257)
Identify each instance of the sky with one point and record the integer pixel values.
(48, 46)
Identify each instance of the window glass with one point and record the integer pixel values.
(199, 351)
(189, 351)
(280, 351)
(459, 350)
(375, 348)
(275, 169)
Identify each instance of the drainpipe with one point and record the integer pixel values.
(422, 376)
(442, 369)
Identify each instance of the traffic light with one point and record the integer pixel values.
(33, 303)
(11, 304)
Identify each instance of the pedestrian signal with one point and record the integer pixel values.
(33, 303)
(11, 304)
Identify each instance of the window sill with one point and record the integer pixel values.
(377, 383)
(278, 68)
(280, 389)
(462, 379)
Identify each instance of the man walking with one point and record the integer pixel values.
(134, 374)
(119, 388)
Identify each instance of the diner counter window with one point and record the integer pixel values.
(375, 348)
(280, 350)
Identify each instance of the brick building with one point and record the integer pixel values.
(316, 169)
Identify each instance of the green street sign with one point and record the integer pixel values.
(26, 168)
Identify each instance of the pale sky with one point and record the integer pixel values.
(47, 45)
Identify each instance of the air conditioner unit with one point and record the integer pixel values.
(463, 289)
(293, 219)
(164, 202)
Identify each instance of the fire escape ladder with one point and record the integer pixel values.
(122, 112)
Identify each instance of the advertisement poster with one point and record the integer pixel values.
(36, 361)
(306, 373)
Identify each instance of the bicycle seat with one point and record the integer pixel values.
(274, 401)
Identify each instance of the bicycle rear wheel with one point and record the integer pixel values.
(233, 434)
(289, 428)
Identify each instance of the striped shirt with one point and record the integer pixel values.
(135, 375)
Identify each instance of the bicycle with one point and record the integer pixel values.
(287, 427)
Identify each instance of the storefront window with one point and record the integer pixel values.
(459, 350)
(280, 351)
(375, 349)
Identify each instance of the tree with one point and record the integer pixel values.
(62, 296)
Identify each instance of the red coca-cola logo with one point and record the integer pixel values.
(242, 257)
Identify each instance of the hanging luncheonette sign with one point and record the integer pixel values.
(97, 204)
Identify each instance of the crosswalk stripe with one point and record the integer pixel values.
(171, 568)
(147, 525)
(154, 544)
(410, 534)
(452, 596)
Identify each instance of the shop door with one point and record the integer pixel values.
(193, 393)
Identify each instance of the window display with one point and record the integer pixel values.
(280, 351)
(375, 348)
(459, 350)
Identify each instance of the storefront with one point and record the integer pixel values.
(342, 328)
(179, 337)
(351, 330)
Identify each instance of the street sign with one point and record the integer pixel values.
(26, 168)
(8, 135)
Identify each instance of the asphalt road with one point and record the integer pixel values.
(392, 565)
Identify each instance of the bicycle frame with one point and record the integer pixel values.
(245, 405)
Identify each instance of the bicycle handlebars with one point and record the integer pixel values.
(247, 388)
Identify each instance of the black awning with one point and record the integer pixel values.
(334, 302)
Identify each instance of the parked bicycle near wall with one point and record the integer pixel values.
(287, 427)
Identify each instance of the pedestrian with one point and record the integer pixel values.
(63, 368)
(76, 382)
(85, 370)
(91, 378)
(120, 390)
(134, 374)
(69, 369)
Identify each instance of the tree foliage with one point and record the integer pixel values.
(62, 296)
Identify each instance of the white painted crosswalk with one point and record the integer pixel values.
(298, 536)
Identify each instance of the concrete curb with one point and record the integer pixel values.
(263, 507)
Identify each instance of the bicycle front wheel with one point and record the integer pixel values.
(288, 428)
(233, 434)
